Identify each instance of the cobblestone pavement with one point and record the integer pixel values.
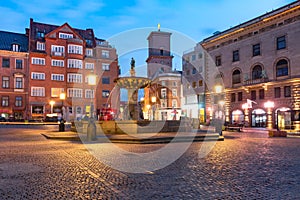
(247, 165)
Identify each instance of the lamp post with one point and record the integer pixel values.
(269, 105)
(62, 97)
(51, 104)
(153, 100)
(91, 129)
(245, 107)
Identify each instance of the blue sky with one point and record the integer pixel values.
(195, 19)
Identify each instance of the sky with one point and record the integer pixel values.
(110, 19)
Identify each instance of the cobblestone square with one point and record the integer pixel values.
(247, 165)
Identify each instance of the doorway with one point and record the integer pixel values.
(259, 118)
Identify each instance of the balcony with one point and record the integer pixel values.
(256, 81)
(57, 54)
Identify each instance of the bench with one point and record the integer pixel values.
(234, 128)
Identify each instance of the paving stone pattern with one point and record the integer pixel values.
(247, 165)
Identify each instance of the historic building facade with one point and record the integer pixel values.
(14, 75)
(258, 62)
(61, 60)
(163, 97)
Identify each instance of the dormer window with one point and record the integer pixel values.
(15, 47)
(65, 35)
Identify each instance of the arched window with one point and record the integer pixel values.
(236, 76)
(219, 78)
(282, 68)
(256, 72)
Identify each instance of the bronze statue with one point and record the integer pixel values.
(132, 63)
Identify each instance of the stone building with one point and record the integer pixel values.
(14, 75)
(258, 62)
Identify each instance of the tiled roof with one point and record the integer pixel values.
(87, 34)
(9, 38)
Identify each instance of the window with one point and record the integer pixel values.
(65, 35)
(40, 46)
(18, 102)
(163, 83)
(75, 49)
(174, 103)
(105, 54)
(89, 65)
(57, 63)
(281, 43)
(194, 84)
(37, 91)
(256, 50)
(194, 70)
(5, 62)
(174, 92)
(240, 96)
(55, 92)
(74, 78)
(282, 68)
(277, 92)
(16, 47)
(256, 72)
(57, 50)
(193, 57)
(287, 91)
(57, 77)
(188, 72)
(5, 101)
(236, 77)
(38, 61)
(19, 64)
(218, 61)
(200, 82)
(75, 63)
(232, 97)
(37, 76)
(89, 94)
(105, 93)
(89, 52)
(235, 56)
(199, 55)
(40, 34)
(161, 52)
(105, 67)
(74, 92)
(19, 83)
(105, 80)
(163, 93)
(261, 94)
(5, 82)
(253, 95)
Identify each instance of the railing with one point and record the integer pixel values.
(255, 81)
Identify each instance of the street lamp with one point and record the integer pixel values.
(91, 129)
(51, 104)
(153, 100)
(269, 105)
(62, 97)
(245, 107)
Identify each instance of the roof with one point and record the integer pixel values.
(87, 34)
(9, 38)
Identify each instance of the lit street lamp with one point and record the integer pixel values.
(51, 104)
(91, 129)
(62, 97)
(269, 105)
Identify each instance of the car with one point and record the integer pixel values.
(3, 119)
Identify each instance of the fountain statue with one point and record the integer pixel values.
(132, 83)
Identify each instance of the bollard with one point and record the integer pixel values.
(61, 126)
(91, 130)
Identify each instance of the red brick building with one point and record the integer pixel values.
(60, 60)
(13, 75)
